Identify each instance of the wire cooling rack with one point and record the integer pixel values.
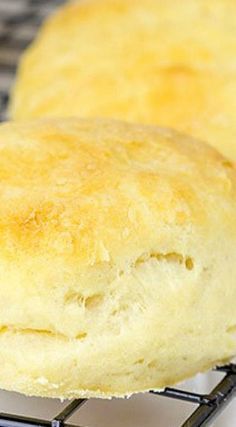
(19, 20)
(209, 405)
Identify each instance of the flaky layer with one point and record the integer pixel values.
(152, 61)
(135, 361)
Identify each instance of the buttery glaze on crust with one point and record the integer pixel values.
(117, 248)
(171, 63)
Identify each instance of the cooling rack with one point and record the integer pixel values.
(209, 405)
(19, 20)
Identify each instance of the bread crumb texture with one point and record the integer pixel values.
(171, 63)
(117, 258)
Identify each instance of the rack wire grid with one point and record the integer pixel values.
(19, 20)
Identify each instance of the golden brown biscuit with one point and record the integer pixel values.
(117, 258)
(171, 63)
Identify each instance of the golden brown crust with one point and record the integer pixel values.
(151, 61)
(117, 247)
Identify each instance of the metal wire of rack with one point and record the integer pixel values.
(19, 20)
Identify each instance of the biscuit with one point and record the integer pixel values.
(117, 258)
(150, 61)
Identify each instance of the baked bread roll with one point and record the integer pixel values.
(117, 258)
(171, 63)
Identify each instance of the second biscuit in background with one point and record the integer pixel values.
(152, 61)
